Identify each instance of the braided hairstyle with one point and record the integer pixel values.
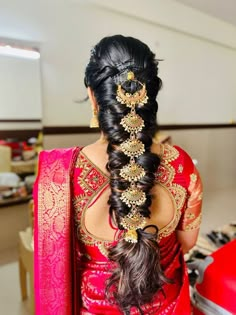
(138, 275)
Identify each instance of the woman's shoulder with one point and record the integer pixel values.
(176, 158)
(170, 153)
(176, 165)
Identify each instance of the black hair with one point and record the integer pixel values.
(138, 276)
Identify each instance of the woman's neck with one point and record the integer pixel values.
(102, 139)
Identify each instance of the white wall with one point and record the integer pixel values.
(199, 70)
(20, 89)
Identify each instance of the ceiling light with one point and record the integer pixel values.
(19, 52)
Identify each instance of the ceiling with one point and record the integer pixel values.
(222, 9)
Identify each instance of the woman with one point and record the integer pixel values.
(114, 218)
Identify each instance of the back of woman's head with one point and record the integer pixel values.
(138, 276)
(110, 61)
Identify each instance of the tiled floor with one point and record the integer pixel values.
(219, 208)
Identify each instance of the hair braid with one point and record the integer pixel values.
(138, 276)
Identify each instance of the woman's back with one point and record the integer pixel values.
(97, 232)
(97, 215)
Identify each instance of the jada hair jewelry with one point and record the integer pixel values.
(133, 197)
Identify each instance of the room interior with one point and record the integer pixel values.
(41, 103)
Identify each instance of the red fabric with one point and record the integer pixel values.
(94, 267)
(70, 268)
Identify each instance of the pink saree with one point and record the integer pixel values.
(53, 237)
(68, 266)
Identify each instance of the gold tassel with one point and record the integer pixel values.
(94, 120)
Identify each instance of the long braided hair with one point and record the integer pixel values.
(138, 275)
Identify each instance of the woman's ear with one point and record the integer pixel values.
(92, 99)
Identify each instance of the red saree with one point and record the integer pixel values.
(71, 265)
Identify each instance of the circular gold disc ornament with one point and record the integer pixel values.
(131, 222)
(132, 147)
(140, 97)
(133, 196)
(132, 172)
(132, 122)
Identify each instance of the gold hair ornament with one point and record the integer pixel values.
(133, 196)
(132, 172)
(140, 97)
(133, 123)
(132, 147)
(130, 76)
(131, 223)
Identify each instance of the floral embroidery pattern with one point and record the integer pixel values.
(190, 215)
(200, 196)
(53, 226)
(180, 168)
(193, 178)
(91, 180)
(165, 174)
(194, 224)
(170, 153)
(165, 177)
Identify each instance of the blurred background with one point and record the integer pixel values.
(44, 48)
